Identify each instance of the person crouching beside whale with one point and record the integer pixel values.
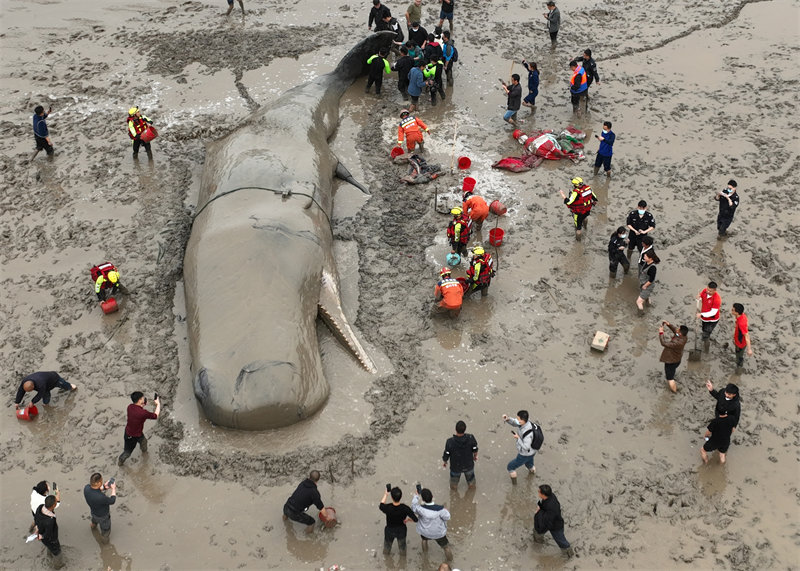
(378, 64)
(411, 129)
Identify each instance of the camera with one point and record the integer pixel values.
(419, 488)
(388, 487)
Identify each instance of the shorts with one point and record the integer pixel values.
(510, 114)
(442, 541)
(445, 15)
(645, 293)
(710, 446)
(670, 369)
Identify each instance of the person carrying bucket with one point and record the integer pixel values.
(137, 125)
(458, 231)
(448, 294)
(579, 202)
(42, 382)
(411, 129)
(481, 270)
(106, 277)
(475, 207)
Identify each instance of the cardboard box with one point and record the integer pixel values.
(600, 341)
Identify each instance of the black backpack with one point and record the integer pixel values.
(538, 436)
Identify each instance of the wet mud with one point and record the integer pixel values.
(696, 98)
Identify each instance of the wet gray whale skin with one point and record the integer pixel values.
(259, 268)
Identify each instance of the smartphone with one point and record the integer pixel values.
(111, 481)
(419, 489)
(512, 432)
(155, 396)
(55, 486)
(388, 487)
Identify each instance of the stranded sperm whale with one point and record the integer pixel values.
(259, 264)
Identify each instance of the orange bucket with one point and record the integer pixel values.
(149, 134)
(397, 151)
(27, 413)
(498, 208)
(469, 184)
(464, 163)
(328, 517)
(496, 236)
(109, 306)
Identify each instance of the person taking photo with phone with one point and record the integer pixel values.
(134, 430)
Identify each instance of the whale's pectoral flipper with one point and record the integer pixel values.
(344, 174)
(330, 310)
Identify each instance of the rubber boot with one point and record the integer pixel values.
(421, 146)
(538, 537)
(122, 457)
(568, 551)
(578, 235)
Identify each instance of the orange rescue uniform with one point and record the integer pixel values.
(451, 292)
(476, 208)
(410, 129)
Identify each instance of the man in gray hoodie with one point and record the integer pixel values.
(524, 437)
(432, 523)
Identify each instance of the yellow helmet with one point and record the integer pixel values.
(455, 211)
(577, 181)
(113, 277)
(133, 110)
(478, 250)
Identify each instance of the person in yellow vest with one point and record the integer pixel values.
(105, 282)
(378, 65)
(137, 124)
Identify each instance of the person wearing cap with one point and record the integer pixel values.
(476, 208)
(378, 65)
(728, 203)
(134, 429)
(138, 124)
(741, 335)
(43, 382)
(410, 129)
(514, 92)
(40, 133)
(578, 87)
(481, 271)
(416, 83)
(709, 314)
(376, 15)
(458, 231)
(580, 202)
(718, 436)
(413, 13)
(448, 294)
(727, 401)
(606, 150)
(640, 222)
(673, 351)
(553, 17)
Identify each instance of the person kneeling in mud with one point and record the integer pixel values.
(419, 170)
(448, 294)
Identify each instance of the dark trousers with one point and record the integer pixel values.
(670, 369)
(449, 73)
(602, 160)
(553, 36)
(708, 327)
(130, 446)
(435, 88)
(618, 257)
(576, 100)
(560, 538)
(740, 356)
(378, 81)
(458, 247)
(390, 534)
(635, 241)
(298, 516)
(722, 224)
(579, 218)
(42, 144)
(402, 86)
(137, 143)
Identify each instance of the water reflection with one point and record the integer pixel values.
(112, 560)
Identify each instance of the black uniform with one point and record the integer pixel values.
(590, 67)
(617, 256)
(640, 223)
(726, 212)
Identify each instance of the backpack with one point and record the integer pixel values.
(538, 436)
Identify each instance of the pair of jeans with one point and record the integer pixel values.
(560, 538)
(390, 534)
(469, 475)
(521, 460)
(62, 384)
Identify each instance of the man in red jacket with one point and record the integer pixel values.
(710, 302)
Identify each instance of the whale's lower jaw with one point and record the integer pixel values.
(265, 395)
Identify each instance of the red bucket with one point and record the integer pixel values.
(498, 208)
(328, 517)
(27, 413)
(496, 236)
(397, 151)
(464, 163)
(469, 184)
(149, 134)
(109, 306)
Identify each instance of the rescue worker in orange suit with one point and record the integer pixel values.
(458, 231)
(137, 124)
(476, 208)
(579, 202)
(481, 270)
(107, 279)
(448, 293)
(411, 129)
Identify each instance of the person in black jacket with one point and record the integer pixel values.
(590, 67)
(640, 222)
(45, 520)
(728, 203)
(462, 451)
(377, 14)
(42, 382)
(616, 251)
(548, 518)
(396, 516)
(718, 437)
(403, 66)
(727, 401)
(303, 497)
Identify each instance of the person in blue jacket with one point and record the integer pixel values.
(416, 83)
(606, 149)
(533, 84)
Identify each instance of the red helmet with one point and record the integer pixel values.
(517, 133)
(444, 271)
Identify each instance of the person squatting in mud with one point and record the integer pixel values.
(448, 294)
(458, 231)
(396, 516)
(579, 202)
(304, 496)
(43, 382)
(480, 271)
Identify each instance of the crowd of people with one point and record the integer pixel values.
(424, 62)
